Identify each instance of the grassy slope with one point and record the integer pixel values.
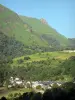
(12, 25)
(41, 28)
(45, 56)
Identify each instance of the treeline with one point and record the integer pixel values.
(5, 72)
(50, 69)
(69, 66)
(71, 44)
(65, 92)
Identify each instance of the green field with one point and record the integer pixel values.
(45, 56)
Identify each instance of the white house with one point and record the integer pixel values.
(69, 51)
(15, 81)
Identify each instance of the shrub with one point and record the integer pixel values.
(55, 85)
(62, 77)
(26, 58)
(10, 96)
(16, 95)
(72, 58)
(53, 58)
(38, 87)
(20, 61)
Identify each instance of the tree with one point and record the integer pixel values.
(20, 61)
(27, 58)
(5, 71)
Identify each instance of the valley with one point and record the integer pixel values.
(32, 51)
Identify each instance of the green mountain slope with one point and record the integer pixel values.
(12, 25)
(72, 43)
(30, 31)
(46, 32)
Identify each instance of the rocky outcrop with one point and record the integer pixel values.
(43, 21)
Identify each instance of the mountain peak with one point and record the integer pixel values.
(43, 21)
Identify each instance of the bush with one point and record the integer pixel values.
(72, 58)
(16, 95)
(26, 58)
(10, 96)
(53, 58)
(62, 77)
(55, 85)
(20, 61)
(38, 87)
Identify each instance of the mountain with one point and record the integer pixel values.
(72, 43)
(30, 34)
(12, 25)
(45, 32)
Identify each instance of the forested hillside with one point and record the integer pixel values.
(72, 43)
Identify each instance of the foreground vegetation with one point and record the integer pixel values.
(41, 66)
(65, 92)
(46, 66)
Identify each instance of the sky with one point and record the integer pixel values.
(60, 14)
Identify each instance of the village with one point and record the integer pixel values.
(36, 85)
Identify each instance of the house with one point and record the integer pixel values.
(36, 83)
(69, 51)
(15, 81)
(33, 84)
